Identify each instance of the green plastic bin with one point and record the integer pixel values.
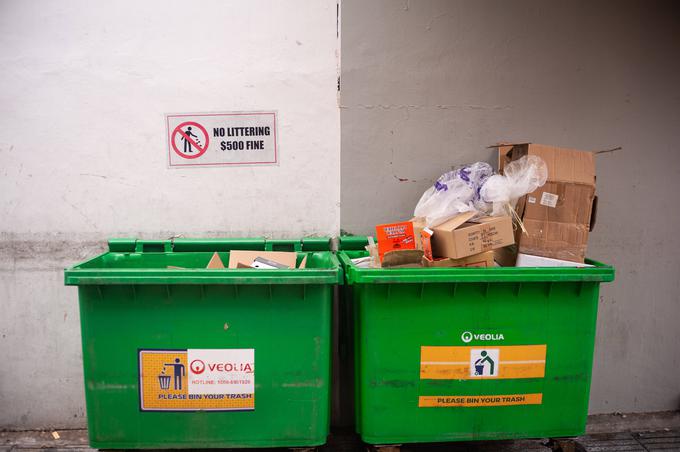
(188, 357)
(450, 354)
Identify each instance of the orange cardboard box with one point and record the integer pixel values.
(395, 236)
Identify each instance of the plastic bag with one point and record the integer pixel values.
(454, 192)
(519, 178)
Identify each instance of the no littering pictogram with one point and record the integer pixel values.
(189, 140)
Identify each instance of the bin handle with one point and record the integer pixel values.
(283, 245)
(153, 246)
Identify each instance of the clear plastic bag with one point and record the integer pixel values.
(519, 178)
(454, 192)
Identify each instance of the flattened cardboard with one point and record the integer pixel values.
(215, 261)
(247, 257)
(527, 260)
(484, 259)
(402, 259)
(458, 237)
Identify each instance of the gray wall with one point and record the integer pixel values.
(429, 84)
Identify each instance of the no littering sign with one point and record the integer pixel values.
(222, 139)
(190, 140)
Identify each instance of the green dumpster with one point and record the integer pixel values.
(449, 354)
(179, 356)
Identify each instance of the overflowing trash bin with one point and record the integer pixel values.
(177, 355)
(477, 353)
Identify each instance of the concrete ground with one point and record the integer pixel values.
(644, 432)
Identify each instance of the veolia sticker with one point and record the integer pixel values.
(197, 379)
(481, 363)
(475, 362)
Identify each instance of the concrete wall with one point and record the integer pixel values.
(428, 84)
(84, 87)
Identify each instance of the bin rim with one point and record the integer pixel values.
(82, 277)
(353, 275)
(78, 276)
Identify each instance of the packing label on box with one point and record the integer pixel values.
(479, 362)
(197, 380)
(549, 199)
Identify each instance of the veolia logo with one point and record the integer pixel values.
(468, 336)
(197, 366)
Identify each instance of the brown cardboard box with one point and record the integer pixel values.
(402, 259)
(564, 165)
(246, 258)
(506, 256)
(484, 259)
(459, 237)
(558, 215)
(418, 226)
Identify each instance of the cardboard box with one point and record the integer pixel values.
(484, 259)
(459, 237)
(418, 226)
(395, 236)
(402, 259)
(564, 165)
(426, 242)
(559, 215)
(246, 258)
(506, 256)
(527, 260)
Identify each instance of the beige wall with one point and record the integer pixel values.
(428, 84)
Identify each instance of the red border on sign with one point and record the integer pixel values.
(179, 130)
(276, 156)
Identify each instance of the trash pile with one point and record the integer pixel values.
(536, 211)
(263, 260)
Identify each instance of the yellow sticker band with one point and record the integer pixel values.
(479, 362)
(479, 400)
(163, 386)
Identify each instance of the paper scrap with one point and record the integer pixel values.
(215, 261)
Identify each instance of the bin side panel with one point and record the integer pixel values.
(418, 345)
(288, 326)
